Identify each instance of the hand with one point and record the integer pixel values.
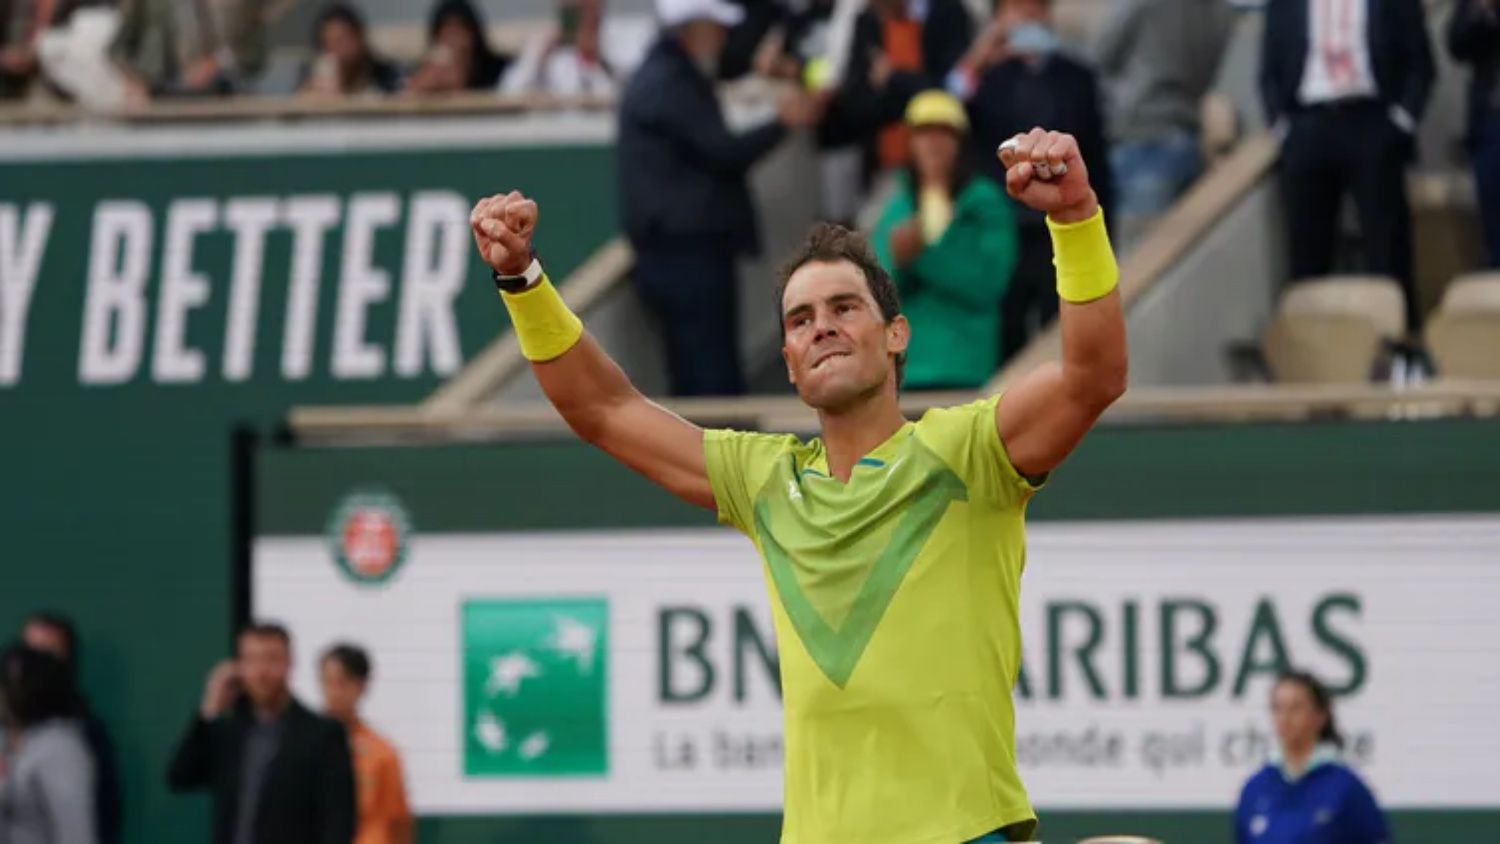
(219, 692)
(1066, 198)
(881, 70)
(201, 75)
(503, 226)
(136, 95)
(797, 110)
(769, 54)
(906, 242)
(19, 60)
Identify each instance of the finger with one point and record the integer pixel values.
(1060, 149)
(1007, 152)
(522, 215)
(1036, 148)
(512, 242)
(1018, 178)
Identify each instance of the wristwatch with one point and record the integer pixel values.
(518, 283)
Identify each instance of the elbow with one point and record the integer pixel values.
(1102, 385)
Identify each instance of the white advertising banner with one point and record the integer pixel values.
(635, 670)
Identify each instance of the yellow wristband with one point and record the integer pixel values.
(544, 324)
(1085, 261)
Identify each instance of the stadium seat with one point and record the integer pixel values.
(1332, 329)
(1464, 332)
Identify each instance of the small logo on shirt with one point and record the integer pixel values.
(368, 536)
(792, 491)
(1258, 825)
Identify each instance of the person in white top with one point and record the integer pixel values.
(568, 60)
(1345, 83)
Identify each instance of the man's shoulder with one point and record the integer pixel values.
(758, 442)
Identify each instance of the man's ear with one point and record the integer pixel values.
(897, 335)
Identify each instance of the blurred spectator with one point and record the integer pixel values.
(1015, 78)
(46, 772)
(54, 633)
(384, 817)
(1160, 58)
(761, 19)
(569, 60)
(800, 52)
(459, 56)
(182, 48)
(948, 239)
(345, 65)
(1474, 37)
(1345, 82)
(900, 48)
(685, 202)
(22, 22)
(1305, 793)
(279, 773)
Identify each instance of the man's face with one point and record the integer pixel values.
(838, 347)
(44, 637)
(341, 692)
(264, 663)
(1024, 11)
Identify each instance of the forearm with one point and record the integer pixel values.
(1094, 356)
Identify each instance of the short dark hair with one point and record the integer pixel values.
(64, 627)
(267, 630)
(36, 685)
(352, 658)
(1322, 701)
(831, 243)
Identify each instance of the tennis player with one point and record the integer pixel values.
(893, 550)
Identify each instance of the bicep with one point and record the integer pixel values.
(1038, 425)
(660, 445)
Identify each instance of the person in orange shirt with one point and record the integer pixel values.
(384, 817)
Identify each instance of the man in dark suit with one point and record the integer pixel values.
(279, 773)
(684, 197)
(1347, 81)
(1014, 77)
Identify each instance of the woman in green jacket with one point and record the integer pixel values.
(948, 238)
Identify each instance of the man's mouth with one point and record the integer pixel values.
(829, 356)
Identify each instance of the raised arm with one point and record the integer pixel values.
(588, 389)
(1042, 418)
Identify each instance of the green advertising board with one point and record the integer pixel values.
(160, 287)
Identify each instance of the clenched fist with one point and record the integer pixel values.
(503, 225)
(1065, 194)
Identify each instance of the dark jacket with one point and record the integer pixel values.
(1474, 37)
(308, 794)
(1055, 93)
(859, 109)
(107, 804)
(681, 170)
(1400, 57)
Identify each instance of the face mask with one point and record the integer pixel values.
(1036, 39)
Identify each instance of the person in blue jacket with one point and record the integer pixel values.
(1305, 794)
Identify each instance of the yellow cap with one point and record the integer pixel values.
(937, 108)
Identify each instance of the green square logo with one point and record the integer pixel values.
(535, 687)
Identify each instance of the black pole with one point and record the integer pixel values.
(243, 445)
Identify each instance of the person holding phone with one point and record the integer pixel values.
(569, 60)
(279, 773)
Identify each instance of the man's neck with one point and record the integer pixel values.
(853, 432)
(274, 709)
